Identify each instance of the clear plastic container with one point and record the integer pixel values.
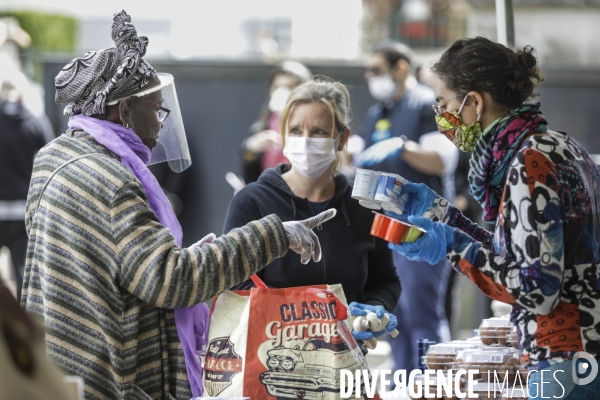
(419, 382)
(457, 363)
(516, 394)
(494, 331)
(474, 340)
(440, 356)
(520, 389)
(524, 372)
(512, 338)
(480, 390)
(484, 390)
(499, 362)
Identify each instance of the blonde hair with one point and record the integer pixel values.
(333, 95)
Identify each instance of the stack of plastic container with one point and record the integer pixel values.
(493, 351)
(512, 338)
(501, 372)
(495, 331)
(497, 372)
(441, 357)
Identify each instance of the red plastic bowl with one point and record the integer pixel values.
(389, 229)
(380, 225)
(396, 231)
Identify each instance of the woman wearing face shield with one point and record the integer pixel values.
(120, 299)
(314, 126)
(541, 189)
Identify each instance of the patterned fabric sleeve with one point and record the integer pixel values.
(157, 271)
(534, 234)
(443, 211)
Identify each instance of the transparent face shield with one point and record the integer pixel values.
(155, 117)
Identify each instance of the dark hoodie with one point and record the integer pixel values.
(21, 136)
(362, 263)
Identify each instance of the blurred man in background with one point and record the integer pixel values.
(21, 136)
(425, 156)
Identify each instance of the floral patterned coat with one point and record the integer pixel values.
(543, 255)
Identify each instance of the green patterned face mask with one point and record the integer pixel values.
(463, 136)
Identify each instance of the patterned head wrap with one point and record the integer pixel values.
(87, 83)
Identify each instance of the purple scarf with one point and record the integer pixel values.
(192, 322)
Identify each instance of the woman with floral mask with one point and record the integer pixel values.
(314, 131)
(542, 190)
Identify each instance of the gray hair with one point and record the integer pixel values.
(334, 95)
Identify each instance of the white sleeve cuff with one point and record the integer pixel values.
(448, 152)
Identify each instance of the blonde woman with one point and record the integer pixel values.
(314, 132)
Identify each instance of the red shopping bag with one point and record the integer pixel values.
(296, 344)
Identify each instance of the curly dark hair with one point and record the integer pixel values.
(481, 65)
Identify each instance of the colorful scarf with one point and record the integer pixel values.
(494, 152)
(191, 322)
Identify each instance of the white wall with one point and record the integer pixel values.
(212, 28)
(562, 36)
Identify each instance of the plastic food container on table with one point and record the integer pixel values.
(511, 339)
(494, 331)
(441, 356)
(500, 363)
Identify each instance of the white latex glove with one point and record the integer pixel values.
(206, 239)
(262, 141)
(303, 240)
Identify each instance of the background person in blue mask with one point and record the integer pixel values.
(314, 132)
(540, 188)
(404, 108)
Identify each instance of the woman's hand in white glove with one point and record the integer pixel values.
(303, 240)
(206, 239)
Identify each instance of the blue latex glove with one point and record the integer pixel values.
(432, 246)
(366, 335)
(360, 309)
(418, 198)
(381, 151)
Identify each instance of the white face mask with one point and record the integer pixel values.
(279, 98)
(382, 87)
(310, 156)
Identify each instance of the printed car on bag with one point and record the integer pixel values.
(306, 373)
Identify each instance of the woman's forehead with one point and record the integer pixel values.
(440, 88)
(315, 112)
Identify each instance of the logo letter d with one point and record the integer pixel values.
(592, 363)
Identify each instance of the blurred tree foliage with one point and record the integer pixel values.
(49, 32)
